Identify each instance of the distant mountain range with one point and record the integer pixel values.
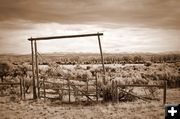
(88, 53)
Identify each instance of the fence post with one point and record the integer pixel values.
(102, 60)
(165, 91)
(37, 70)
(33, 75)
(116, 87)
(96, 88)
(20, 87)
(24, 90)
(69, 91)
(44, 89)
(112, 91)
(62, 90)
(87, 88)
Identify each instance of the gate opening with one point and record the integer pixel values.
(34, 55)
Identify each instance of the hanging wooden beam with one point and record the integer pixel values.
(69, 36)
(37, 69)
(34, 83)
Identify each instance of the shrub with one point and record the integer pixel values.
(148, 63)
(4, 69)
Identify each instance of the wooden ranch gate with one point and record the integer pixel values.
(69, 91)
(69, 84)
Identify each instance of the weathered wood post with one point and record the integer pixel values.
(102, 58)
(87, 90)
(102, 61)
(69, 91)
(96, 87)
(20, 83)
(37, 70)
(62, 90)
(34, 83)
(112, 91)
(24, 90)
(44, 89)
(164, 93)
(117, 94)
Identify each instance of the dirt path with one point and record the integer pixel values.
(40, 110)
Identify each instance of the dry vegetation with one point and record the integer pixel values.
(145, 69)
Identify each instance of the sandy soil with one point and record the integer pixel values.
(14, 109)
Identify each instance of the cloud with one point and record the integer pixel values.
(128, 25)
(152, 13)
(123, 39)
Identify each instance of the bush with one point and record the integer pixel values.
(148, 63)
(4, 69)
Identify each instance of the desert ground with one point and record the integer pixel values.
(16, 109)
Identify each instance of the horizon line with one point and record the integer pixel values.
(161, 52)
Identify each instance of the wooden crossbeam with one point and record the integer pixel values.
(68, 36)
(140, 85)
(67, 84)
(9, 83)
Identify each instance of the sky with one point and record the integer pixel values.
(127, 25)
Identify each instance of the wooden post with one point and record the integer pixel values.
(164, 94)
(112, 92)
(117, 95)
(34, 83)
(102, 59)
(37, 70)
(44, 89)
(96, 88)
(87, 89)
(21, 92)
(69, 91)
(24, 90)
(62, 90)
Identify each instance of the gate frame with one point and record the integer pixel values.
(34, 55)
